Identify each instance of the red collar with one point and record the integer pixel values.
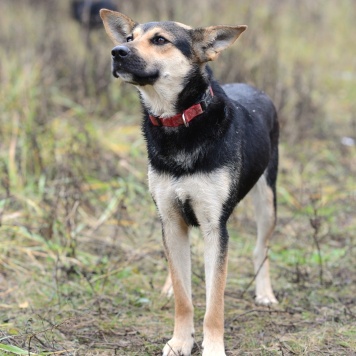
(187, 115)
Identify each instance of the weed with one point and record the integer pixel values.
(81, 262)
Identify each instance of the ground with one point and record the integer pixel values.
(81, 258)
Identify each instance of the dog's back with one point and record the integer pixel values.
(254, 100)
(258, 106)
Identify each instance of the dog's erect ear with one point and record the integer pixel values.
(118, 26)
(210, 41)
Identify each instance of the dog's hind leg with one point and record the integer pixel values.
(167, 289)
(263, 195)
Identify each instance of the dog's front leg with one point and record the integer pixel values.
(177, 246)
(215, 256)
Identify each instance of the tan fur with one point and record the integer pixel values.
(167, 289)
(177, 247)
(184, 26)
(213, 342)
(146, 49)
(208, 45)
(206, 192)
(113, 22)
(160, 98)
(207, 195)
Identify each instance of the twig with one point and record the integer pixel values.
(169, 298)
(315, 223)
(269, 311)
(34, 334)
(172, 349)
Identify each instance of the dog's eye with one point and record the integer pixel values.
(129, 38)
(159, 40)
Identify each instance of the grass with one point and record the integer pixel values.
(81, 261)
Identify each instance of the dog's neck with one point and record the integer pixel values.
(159, 100)
(165, 99)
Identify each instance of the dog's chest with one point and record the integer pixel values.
(181, 159)
(198, 197)
(186, 160)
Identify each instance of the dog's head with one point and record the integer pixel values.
(162, 54)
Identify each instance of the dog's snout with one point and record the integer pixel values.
(120, 52)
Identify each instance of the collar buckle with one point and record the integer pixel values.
(186, 123)
(187, 115)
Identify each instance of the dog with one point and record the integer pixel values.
(86, 12)
(208, 146)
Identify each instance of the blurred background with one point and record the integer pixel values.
(81, 261)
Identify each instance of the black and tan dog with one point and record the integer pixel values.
(208, 146)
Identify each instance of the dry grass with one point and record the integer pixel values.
(81, 263)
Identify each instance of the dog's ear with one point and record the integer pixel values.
(210, 41)
(118, 26)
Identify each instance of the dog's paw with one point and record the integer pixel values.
(175, 346)
(266, 299)
(213, 348)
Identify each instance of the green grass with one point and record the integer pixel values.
(81, 259)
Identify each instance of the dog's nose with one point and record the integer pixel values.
(120, 52)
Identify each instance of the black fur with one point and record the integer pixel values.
(181, 37)
(234, 140)
(239, 130)
(188, 213)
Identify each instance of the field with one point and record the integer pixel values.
(81, 259)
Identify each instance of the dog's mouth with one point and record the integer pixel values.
(134, 71)
(136, 77)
